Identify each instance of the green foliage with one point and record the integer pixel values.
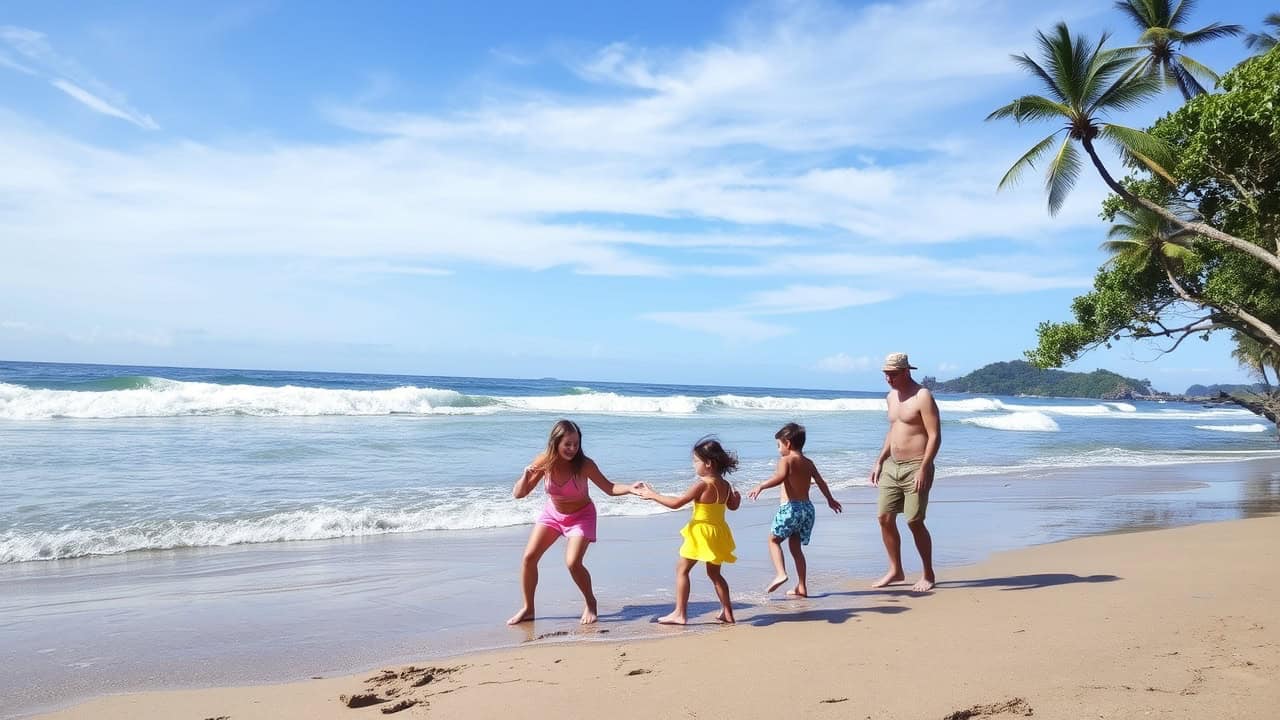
(1211, 391)
(1022, 378)
(1227, 170)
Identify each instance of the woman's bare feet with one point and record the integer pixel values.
(798, 591)
(889, 578)
(673, 619)
(924, 585)
(776, 583)
(588, 614)
(525, 614)
(725, 616)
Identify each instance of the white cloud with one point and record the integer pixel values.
(808, 298)
(844, 363)
(729, 324)
(66, 74)
(813, 144)
(97, 104)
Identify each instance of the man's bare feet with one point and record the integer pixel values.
(673, 619)
(798, 591)
(589, 614)
(889, 578)
(524, 615)
(725, 616)
(776, 583)
(924, 585)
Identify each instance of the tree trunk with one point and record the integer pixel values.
(1198, 228)
(1265, 408)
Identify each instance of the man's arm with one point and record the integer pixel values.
(884, 455)
(932, 422)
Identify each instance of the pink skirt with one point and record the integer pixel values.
(580, 523)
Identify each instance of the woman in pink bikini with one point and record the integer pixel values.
(568, 512)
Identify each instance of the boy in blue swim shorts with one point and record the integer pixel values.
(794, 520)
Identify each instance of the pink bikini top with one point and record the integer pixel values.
(571, 489)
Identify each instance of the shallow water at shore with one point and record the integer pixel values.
(285, 611)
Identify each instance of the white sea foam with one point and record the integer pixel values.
(170, 398)
(320, 523)
(1250, 428)
(1017, 422)
(158, 397)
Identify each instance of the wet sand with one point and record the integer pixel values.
(1171, 623)
(260, 614)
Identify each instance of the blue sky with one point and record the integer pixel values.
(772, 193)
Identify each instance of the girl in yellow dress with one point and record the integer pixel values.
(707, 537)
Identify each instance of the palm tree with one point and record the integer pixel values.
(1263, 41)
(1163, 41)
(1141, 235)
(1085, 81)
(1256, 357)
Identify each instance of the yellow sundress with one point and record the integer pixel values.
(707, 537)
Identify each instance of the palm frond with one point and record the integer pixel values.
(1260, 41)
(1126, 93)
(1033, 67)
(1028, 160)
(1063, 172)
(1196, 69)
(1032, 107)
(1058, 51)
(1188, 85)
(1181, 13)
(1215, 31)
(1136, 145)
(1135, 10)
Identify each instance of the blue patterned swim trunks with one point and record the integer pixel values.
(794, 518)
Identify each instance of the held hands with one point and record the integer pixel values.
(643, 490)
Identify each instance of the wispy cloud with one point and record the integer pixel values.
(812, 145)
(67, 75)
(844, 363)
(731, 325)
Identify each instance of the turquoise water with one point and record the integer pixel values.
(164, 527)
(102, 460)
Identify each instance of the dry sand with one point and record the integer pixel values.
(1178, 623)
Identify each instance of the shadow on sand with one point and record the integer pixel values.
(834, 616)
(1028, 582)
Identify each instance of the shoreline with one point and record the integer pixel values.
(271, 613)
(1107, 625)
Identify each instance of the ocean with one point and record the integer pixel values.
(164, 527)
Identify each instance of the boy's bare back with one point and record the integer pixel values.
(800, 472)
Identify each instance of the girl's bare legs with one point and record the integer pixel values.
(680, 615)
(802, 567)
(540, 538)
(779, 565)
(722, 592)
(573, 556)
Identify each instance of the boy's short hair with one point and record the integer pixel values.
(793, 434)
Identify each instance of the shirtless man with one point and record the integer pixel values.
(904, 469)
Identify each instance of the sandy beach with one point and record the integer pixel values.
(1168, 623)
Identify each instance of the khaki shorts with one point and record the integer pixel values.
(898, 490)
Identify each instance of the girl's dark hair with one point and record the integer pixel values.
(709, 450)
(551, 455)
